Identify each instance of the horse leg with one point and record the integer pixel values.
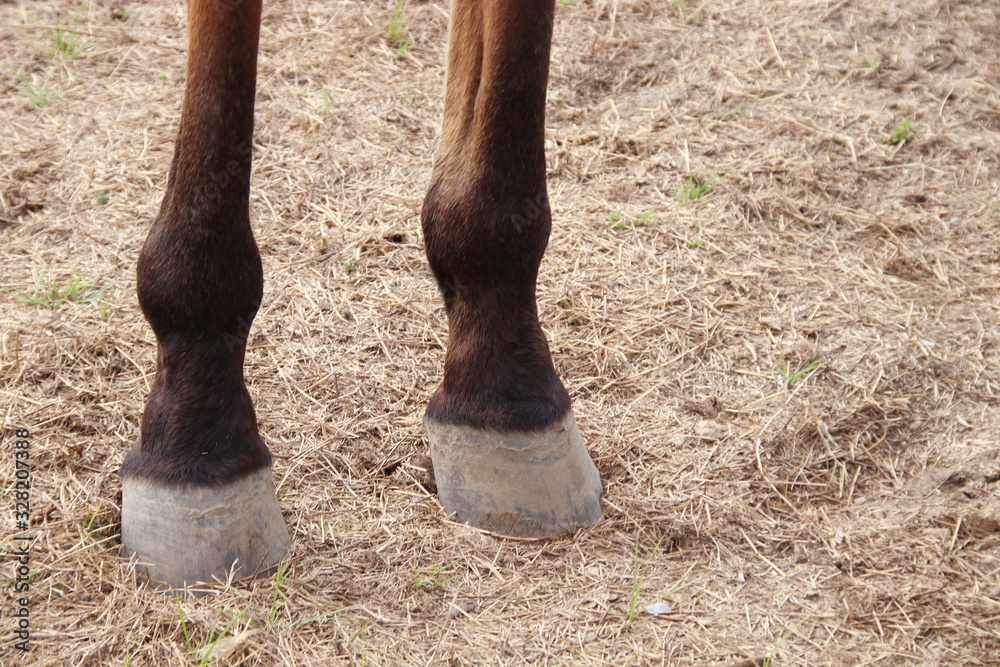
(506, 451)
(197, 496)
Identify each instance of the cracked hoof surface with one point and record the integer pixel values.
(534, 484)
(185, 534)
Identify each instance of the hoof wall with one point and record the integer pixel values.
(535, 484)
(185, 534)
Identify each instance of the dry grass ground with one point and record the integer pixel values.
(779, 329)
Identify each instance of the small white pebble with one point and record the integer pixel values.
(658, 608)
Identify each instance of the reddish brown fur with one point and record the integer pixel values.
(486, 219)
(486, 222)
(199, 274)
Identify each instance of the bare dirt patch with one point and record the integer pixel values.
(779, 328)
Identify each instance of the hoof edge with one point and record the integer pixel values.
(537, 484)
(185, 534)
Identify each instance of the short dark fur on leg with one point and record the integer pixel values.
(486, 219)
(199, 273)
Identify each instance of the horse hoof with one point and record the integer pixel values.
(518, 484)
(184, 534)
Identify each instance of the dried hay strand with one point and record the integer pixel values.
(778, 326)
